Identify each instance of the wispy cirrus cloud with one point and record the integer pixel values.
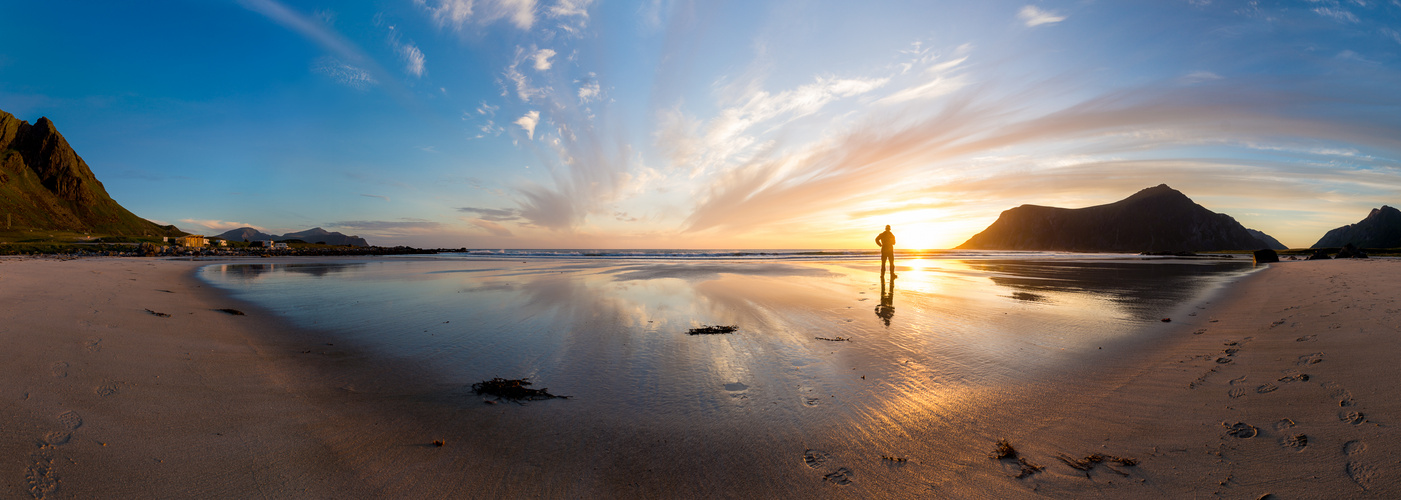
(382, 197)
(493, 214)
(406, 226)
(344, 74)
(490, 227)
(1034, 16)
(345, 64)
(456, 14)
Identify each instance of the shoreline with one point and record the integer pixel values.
(203, 401)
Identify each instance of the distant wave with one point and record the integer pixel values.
(679, 254)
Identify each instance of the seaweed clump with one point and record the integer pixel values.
(1005, 451)
(710, 330)
(1090, 461)
(515, 390)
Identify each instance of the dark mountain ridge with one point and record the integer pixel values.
(313, 235)
(1380, 229)
(44, 184)
(1156, 219)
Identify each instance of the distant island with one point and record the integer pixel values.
(313, 235)
(1156, 219)
(1380, 229)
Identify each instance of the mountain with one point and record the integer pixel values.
(246, 234)
(44, 184)
(1381, 229)
(313, 235)
(1157, 219)
(317, 234)
(1269, 241)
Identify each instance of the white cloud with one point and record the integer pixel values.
(542, 59)
(413, 59)
(1337, 14)
(1198, 77)
(448, 12)
(588, 92)
(456, 13)
(490, 227)
(344, 74)
(572, 14)
(314, 30)
(524, 90)
(528, 123)
(1034, 16)
(382, 197)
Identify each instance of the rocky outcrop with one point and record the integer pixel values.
(313, 235)
(44, 184)
(1381, 229)
(1157, 219)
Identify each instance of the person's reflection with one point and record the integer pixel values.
(886, 309)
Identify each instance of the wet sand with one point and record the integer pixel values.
(102, 398)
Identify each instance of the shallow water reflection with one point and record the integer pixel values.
(615, 330)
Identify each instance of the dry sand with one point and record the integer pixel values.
(101, 398)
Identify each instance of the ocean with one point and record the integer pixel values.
(829, 369)
(615, 322)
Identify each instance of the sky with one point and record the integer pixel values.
(712, 124)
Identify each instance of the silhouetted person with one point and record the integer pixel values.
(886, 241)
(886, 309)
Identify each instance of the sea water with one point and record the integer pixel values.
(615, 325)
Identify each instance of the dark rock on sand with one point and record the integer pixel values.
(1266, 256)
(1319, 254)
(1350, 252)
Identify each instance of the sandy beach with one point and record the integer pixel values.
(1282, 384)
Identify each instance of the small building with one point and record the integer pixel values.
(193, 240)
(216, 242)
(262, 243)
(279, 246)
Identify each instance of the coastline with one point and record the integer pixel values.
(103, 398)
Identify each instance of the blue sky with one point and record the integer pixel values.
(671, 124)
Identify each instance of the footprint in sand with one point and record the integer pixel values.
(1283, 424)
(841, 476)
(1238, 380)
(94, 345)
(1358, 470)
(1343, 396)
(1352, 417)
(1277, 323)
(1266, 388)
(815, 458)
(39, 476)
(59, 369)
(1310, 359)
(1294, 376)
(1237, 392)
(56, 438)
(811, 401)
(70, 419)
(106, 389)
(1241, 430)
(1307, 338)
(1296, 442)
